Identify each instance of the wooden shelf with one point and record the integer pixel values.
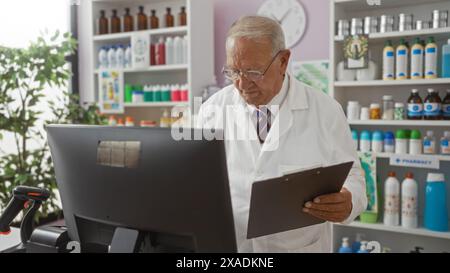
(398, 229)
(391, 83)
(127, 35)
(430, 123)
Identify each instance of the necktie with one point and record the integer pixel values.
(263, 116)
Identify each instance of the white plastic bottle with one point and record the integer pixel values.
(409, 201)
(417, 60)
(185, 49)
(169, 51)
(178, 49)
(401, 64)
(103, 58)
(431, 55)
(120, 57)
(388, 61)
(112, 57)
(391, 200)
(128, 57)
(429, 143)
(445, 143)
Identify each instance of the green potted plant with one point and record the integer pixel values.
(25, 73)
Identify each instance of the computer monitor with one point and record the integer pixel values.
(113, 180)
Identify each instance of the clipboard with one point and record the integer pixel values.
(276, 204)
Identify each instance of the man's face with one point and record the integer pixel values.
(248, 55)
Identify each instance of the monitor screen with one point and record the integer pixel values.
(175, 194)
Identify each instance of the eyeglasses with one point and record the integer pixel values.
(252, 75)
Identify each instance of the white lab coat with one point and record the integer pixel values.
(312, 131)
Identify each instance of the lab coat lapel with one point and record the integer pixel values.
(296, 100)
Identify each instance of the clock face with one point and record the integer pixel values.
(291, 16)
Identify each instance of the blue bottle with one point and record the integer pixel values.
(345, 247)
(363, 248)
(446, 60)
(357, 243)
(436, 214)
(389, 142)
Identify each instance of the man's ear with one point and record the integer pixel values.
(285, 56)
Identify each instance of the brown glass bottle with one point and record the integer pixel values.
(169, 18)
(102, 23)
(154, 20)
(446, 106)
(115, 22)
(142, 19)
(128, 23)
(415, 106)
(182, 16)
(432, 106)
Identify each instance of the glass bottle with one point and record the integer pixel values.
(182, 16)
(432, 106)
(169, 18)
(115, 22)
(154, 20)
(103, 23)
(142, 19)
(128, 22)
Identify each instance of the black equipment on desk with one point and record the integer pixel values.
(140, 190)
(41, 239)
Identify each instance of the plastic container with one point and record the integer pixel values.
(388, 61)
(137, 96)
(112, 63)
(128, 92)
(391, 200)
(353, 109)
(431, 54)
(103, 57)
(436, 214)
(399, 111)
(165, 93)
(128, 57)
(345, 247)
(363, 248)
(355, 139)
(402, 60)
(365, 113)
(445, 143)
(389, 142)
(169, 51)
(415, 143)
(446, 60)
(429, 143)
(388, 108)
(175, 93)
(377, 142)
(364, 141)
(157, 93)
(417, 60)
(375, 111)
(120, 57)
(409, 202)
(401, 142)
(357, 243)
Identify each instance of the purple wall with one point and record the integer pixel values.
(312, 46)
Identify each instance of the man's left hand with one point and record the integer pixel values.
(335, 207)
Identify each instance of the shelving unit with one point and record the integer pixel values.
(397, 239)
(423, 156)
(197, 73)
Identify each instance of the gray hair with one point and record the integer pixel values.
(257, 28)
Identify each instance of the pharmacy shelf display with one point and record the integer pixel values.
(193, 66)
(367, 91)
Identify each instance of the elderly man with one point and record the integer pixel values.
(292, 126)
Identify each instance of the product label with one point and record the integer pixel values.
(390, 54)
(432, 109)
(445, 148)
(417, 52)
(431, 50)
(402, 64)
(446, 110)
(431, 63)
(415, 109)
(391, 204)
(401, 52)
(428, 147)
(409, 206)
